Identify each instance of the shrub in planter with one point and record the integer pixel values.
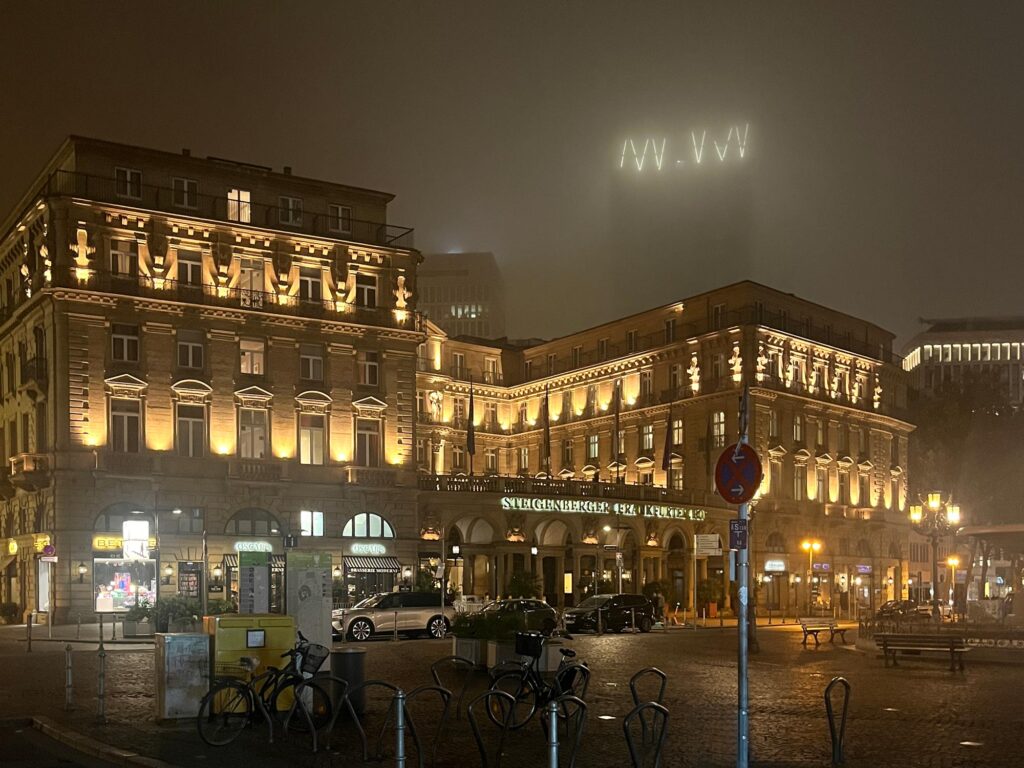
(141, 611)
(175, 608)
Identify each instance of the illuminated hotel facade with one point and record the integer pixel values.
(203, 357)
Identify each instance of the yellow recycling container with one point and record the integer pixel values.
(264, 636)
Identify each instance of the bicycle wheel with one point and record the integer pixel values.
(224, 712)
(522, 689)
(296, 696)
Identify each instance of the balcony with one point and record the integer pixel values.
(371, 477)
(508, 485)
(209, 295)
(460, 372)
(30, 471)
(154, 198)
(254, 470)
(126, 464)
(34, 376)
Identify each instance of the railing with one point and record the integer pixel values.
(255, 470)
(211, 295)
(150, 197)
(550, 487)
(34, 370)
(461, 372)
(373, 477)
(25, 463)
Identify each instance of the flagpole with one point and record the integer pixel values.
(615, 438)
(471, 428)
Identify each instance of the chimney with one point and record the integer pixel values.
(186, 152)
(287, 170)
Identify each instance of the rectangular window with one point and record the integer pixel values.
(776, 479)
(124, 425)
(822, 433)
(645, 477)
(190, 353)
(675, 379)
(670, 330)
(369, 368)
(239, 206)
(524, 459)
(528, 370)
(718, 429)
(865, 490)
(459, 409)
(773, 423)
(458, 365)
(799, 482)
(12, 434)
(593, 444)
(552, 364)
(252, 356)
(647, 437)
(862, 441)
(491, 460)
(631, 341)
(821, 480)
(24, 433)
(185, 193)
(366, 290)
(675, 478)
(646, 383)
(677, 432)
(422, 447)
(125, 343)
(458, 457)
(798, 428)
(602, 349)
(522, 415)
(491, 415)
(491, 370)
(311, 362)
(190, 267)
(310, 285)
(311, 523)
(128, 183)
(577, 356)
(312, 438)
(339, 218)
(252, 433)
(290, 211)
(717, 317)
(844, 488)
(567, 453)
(124, 257)
(191, 432)
(718, 367)
(368, 442)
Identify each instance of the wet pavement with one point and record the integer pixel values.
(919, 714)
(24, 747)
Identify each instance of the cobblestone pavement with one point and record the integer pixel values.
(919, 714)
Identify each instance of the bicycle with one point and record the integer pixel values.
(527, 686)
(274, 695)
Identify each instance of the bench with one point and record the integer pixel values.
(812, 627)
(891, 643)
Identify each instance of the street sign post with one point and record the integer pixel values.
(738, 473)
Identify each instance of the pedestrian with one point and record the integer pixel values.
(659, 606)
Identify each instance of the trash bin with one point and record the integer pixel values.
(349, 664)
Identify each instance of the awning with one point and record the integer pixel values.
(357, 564)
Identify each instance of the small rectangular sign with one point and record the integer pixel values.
(737, 534)
(707, 545)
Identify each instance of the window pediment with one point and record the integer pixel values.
(845, 461)
(865, 466)
(566, 473)
(369, 406)
(644, 462)
(802, 456)
(823, 458)
(126, 386)
(312, 401)
(253, 397)
(192, 391)
(777, 452)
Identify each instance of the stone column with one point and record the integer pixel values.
(560, 579)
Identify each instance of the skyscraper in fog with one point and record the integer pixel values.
(463, 293)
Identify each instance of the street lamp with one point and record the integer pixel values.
(935, 519)
(811, 547)
(953, 562)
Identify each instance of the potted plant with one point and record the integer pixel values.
(138, 619)
(466, 640)
(499, 632)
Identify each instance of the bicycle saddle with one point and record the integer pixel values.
(568, 652)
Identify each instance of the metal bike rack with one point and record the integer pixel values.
(837, 734)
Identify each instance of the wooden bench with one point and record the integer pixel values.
(891, 643)
(812, 627)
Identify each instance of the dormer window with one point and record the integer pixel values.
(128, 183)
(340, 219)
(239, 205)
(185, 193)
(290, 211)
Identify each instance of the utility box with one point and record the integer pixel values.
(264, 636)
(182, 674)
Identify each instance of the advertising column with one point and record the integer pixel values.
(308, 591)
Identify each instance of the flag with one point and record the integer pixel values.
(547, 433)
(471, 428)
(666, 458)
(616, 448)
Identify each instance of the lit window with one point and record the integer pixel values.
(458, 365)
(340, 218)
(368, 443)
(311, 523)
(312, 437)
(191, 432)
(524, 459)
(368, 525)
(798, 428)
(239, 206)
(185, 193)
(252, 433)
(677, 432)
(675, 478)
(128, 183)
(124, 257)
(290, 211)
(125, 425)
(647, 437)
(646, 383)
(458, 457)
(718, 429)
(491, 459)
(252, 356)
(592, 447)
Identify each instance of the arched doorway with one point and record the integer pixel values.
(630, 567)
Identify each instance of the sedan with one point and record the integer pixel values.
(532, 614)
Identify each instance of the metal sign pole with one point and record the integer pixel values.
(743, 568)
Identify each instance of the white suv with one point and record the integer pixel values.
(415, 612)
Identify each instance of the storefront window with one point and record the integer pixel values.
(119, 584)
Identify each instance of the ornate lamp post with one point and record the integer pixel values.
(935, 518)
(811, 547)
(953, 562)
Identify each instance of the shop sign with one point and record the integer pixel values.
(775, 566)
(600, 507)
(253, 546)
(865, 569)
(189, 573)
(821, 567)
(367, 548)
(111, 542)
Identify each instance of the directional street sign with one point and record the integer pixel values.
(737, 534)
(738, 474)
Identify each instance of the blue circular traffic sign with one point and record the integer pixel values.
(738, 473)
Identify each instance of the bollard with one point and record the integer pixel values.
(400, 728)
(113, 627)
(101, 628)
(599, 627)
(68, 704)
(632, 620)
(28, 633)
(101, 686)
(837, 735)
(552, 715)
(396, 626)
(78, 633)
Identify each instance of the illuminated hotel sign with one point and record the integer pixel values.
(655, 153)
(599, 507)
(253, 546)
(362, 548)
(111, 542)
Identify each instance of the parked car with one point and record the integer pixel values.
(416, 612)
(469, 604)
(618, 612)
(533, 614)
(925, 609)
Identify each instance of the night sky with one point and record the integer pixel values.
(883, 173)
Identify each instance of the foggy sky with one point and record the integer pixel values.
(885, 174)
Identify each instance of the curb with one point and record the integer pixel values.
(90, 746)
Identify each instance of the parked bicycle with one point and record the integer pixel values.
(277, 695)
(523, 681)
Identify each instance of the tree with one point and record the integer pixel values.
(523, 584)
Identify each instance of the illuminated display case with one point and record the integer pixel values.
(119, 584)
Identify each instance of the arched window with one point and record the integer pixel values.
(367, 525)
(775, 542)
(111, 520)
(864, 548)
(253, 522)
